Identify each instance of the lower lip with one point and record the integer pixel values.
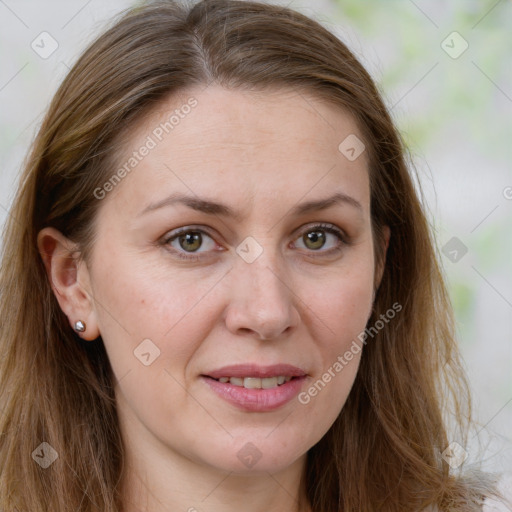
(256, 400)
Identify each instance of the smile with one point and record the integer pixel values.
(256, 382)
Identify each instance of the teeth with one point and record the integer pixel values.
(237, 381)
(252, 383)
(256, 382)
(269, 382)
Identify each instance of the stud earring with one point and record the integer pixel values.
(80, 326)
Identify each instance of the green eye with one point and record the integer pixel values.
(315, 238)
(186, 243)
(191, 241)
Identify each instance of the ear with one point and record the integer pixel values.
(69, 279)
(379, 271)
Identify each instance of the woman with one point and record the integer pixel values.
(218, 280)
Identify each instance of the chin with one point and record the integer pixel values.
(254, 454)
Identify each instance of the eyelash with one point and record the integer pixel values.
(329, 228)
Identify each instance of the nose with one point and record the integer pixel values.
(261, 301)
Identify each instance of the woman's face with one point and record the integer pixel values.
(252, 283)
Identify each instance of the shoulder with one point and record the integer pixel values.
(505, 487)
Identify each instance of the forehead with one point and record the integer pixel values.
(280, 144)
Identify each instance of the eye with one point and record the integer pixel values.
(316, 237)
(185, 242)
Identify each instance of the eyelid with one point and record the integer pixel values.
(326, 226)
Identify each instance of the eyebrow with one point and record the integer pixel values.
(214, 208)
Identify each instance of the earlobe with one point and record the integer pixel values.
(60, 258)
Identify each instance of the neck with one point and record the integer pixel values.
(187, 486)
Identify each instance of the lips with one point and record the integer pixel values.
(255, 388)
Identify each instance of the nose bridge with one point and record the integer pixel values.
(261, 300)
(267, 282)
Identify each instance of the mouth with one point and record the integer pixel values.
(255, 388)
(255, 382)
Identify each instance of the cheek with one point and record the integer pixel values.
(136, 302)
(341, 308)
(342, 304)
(152, 325)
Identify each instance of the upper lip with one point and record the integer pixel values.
(254, 370)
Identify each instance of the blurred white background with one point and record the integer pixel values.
(451, 96)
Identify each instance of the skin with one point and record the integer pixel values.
(261, 154)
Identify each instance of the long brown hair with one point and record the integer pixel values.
(384, 450)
